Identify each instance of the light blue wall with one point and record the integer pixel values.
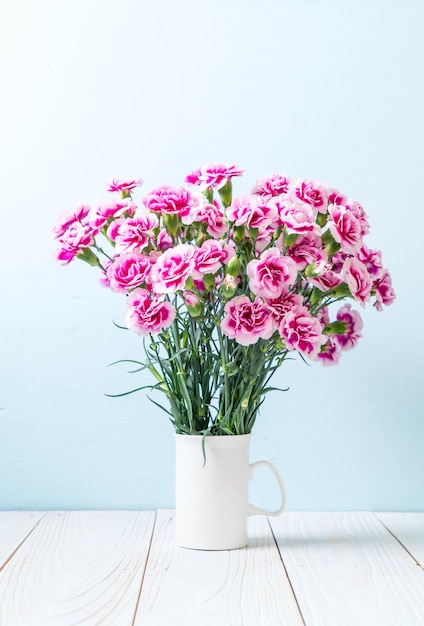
(331, 90)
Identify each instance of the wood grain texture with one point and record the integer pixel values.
(408, 528)
(15, 527)
(81, 567)
(226, 588)
(346, 569)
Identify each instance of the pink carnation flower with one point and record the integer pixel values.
(271, 186)
(73, 234)
(311, 192)
(68, 218)
(279, 307)
(357, 210)
(306, 250)
(372, 261)
(164, 240)
(296, 217)
(148, 316)
(247, 321)
(213, 215)
(384, 291)
(128, 271)
(120, 186)
(271, 274)
(354, 323)
(134, 234)
(330, 352)
(174, 201)
(214, 175)
(357, 278)
(302, 332)
(104, 213)
(173, 267)
(345, 228)
(252, 211)
(326, 281)
(210, 257)
(336, 197)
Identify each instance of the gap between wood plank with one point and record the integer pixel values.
(145, 569)
(22, 542)
(285, 570)
(399, 541)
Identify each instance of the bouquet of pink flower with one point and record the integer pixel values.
(222, 290)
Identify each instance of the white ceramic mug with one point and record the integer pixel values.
(212, 491)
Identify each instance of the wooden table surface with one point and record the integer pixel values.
(122, 568)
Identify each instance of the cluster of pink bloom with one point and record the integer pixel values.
(274, 259)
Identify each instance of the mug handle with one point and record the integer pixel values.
(254, 510)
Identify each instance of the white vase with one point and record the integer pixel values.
(212, 491)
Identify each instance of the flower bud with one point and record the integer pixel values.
(209, 195)
(229, 286)
(239, 234)
(311, 271)
(87, 255)
(171, 223)
(209, 281)
(233, 266)
(332, 248)
(335, 328)
(341, 291)
(193, 303)
(289, 239)
(321, 219)
(202, 236)
(226, 193)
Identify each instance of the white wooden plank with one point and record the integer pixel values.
(15, 526)
(245, 587)
(408, 528)
(80, 567)
(347, 570)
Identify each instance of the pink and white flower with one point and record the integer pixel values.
(213, 215)
(271, 186)
(357, 210)
(68, 218)
(330, 352)
(247, 321)
(271, 274)
(128, 271)
(172, 201)
(135, 234)
(148, 315)
(384, 292)
(210, 257)
(311, 192)
(354, 323)
(336, 197)
(286, 302)
(357, 278)
(326, 281)
(102, 215)
(252, 211)
(73, 233)
(345, 228)
(173, 267)
(296, 217)
(372, 261)
(303, 332)
(307, 249)
(120, 186)
(164, 240)
(213, 175)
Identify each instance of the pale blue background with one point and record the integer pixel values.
(331, 90)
